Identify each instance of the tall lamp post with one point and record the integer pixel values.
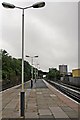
(32, 68)
(11, 6)
(35, 73)
(37, 70)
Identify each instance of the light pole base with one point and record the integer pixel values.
(22, 104)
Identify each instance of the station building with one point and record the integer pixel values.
(76, 72)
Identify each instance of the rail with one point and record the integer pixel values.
(67, 90)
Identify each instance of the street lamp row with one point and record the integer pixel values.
(32, 68)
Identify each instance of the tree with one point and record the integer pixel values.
(12, 69)
(53, 74)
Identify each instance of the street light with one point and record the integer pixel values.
(11, 6)
(37, 70)
(36, 5)
(39, 4)
(32, 68)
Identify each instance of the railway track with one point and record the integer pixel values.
(70, 86)
(71, 92)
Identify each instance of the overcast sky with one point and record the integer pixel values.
(50, 32)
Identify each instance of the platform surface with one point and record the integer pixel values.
(43, 101)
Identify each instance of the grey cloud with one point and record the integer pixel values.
(51, 33)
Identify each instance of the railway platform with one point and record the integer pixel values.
(43, 102)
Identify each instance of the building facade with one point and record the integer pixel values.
(63, 70)
(76, 72)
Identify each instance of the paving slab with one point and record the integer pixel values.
(10, 113)
(72, 114)
(31, 115)
(44, 112)
(11, 105)
(0, 115)
(46, 116)
(66, 108)
(39, 93)
(58, 112)
(32, 109)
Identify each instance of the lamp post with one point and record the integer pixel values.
(35, 73)
(32, 68)
(37, 70)
(11, 6)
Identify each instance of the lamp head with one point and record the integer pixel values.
(36, 56)
(27, 56)
(8, 5)
(38, 5)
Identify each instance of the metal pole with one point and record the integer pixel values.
(35, 74)
(32, 72)
(37, 70)
(23, 49)
(22, 95)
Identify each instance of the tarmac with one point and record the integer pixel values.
(43, 101)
